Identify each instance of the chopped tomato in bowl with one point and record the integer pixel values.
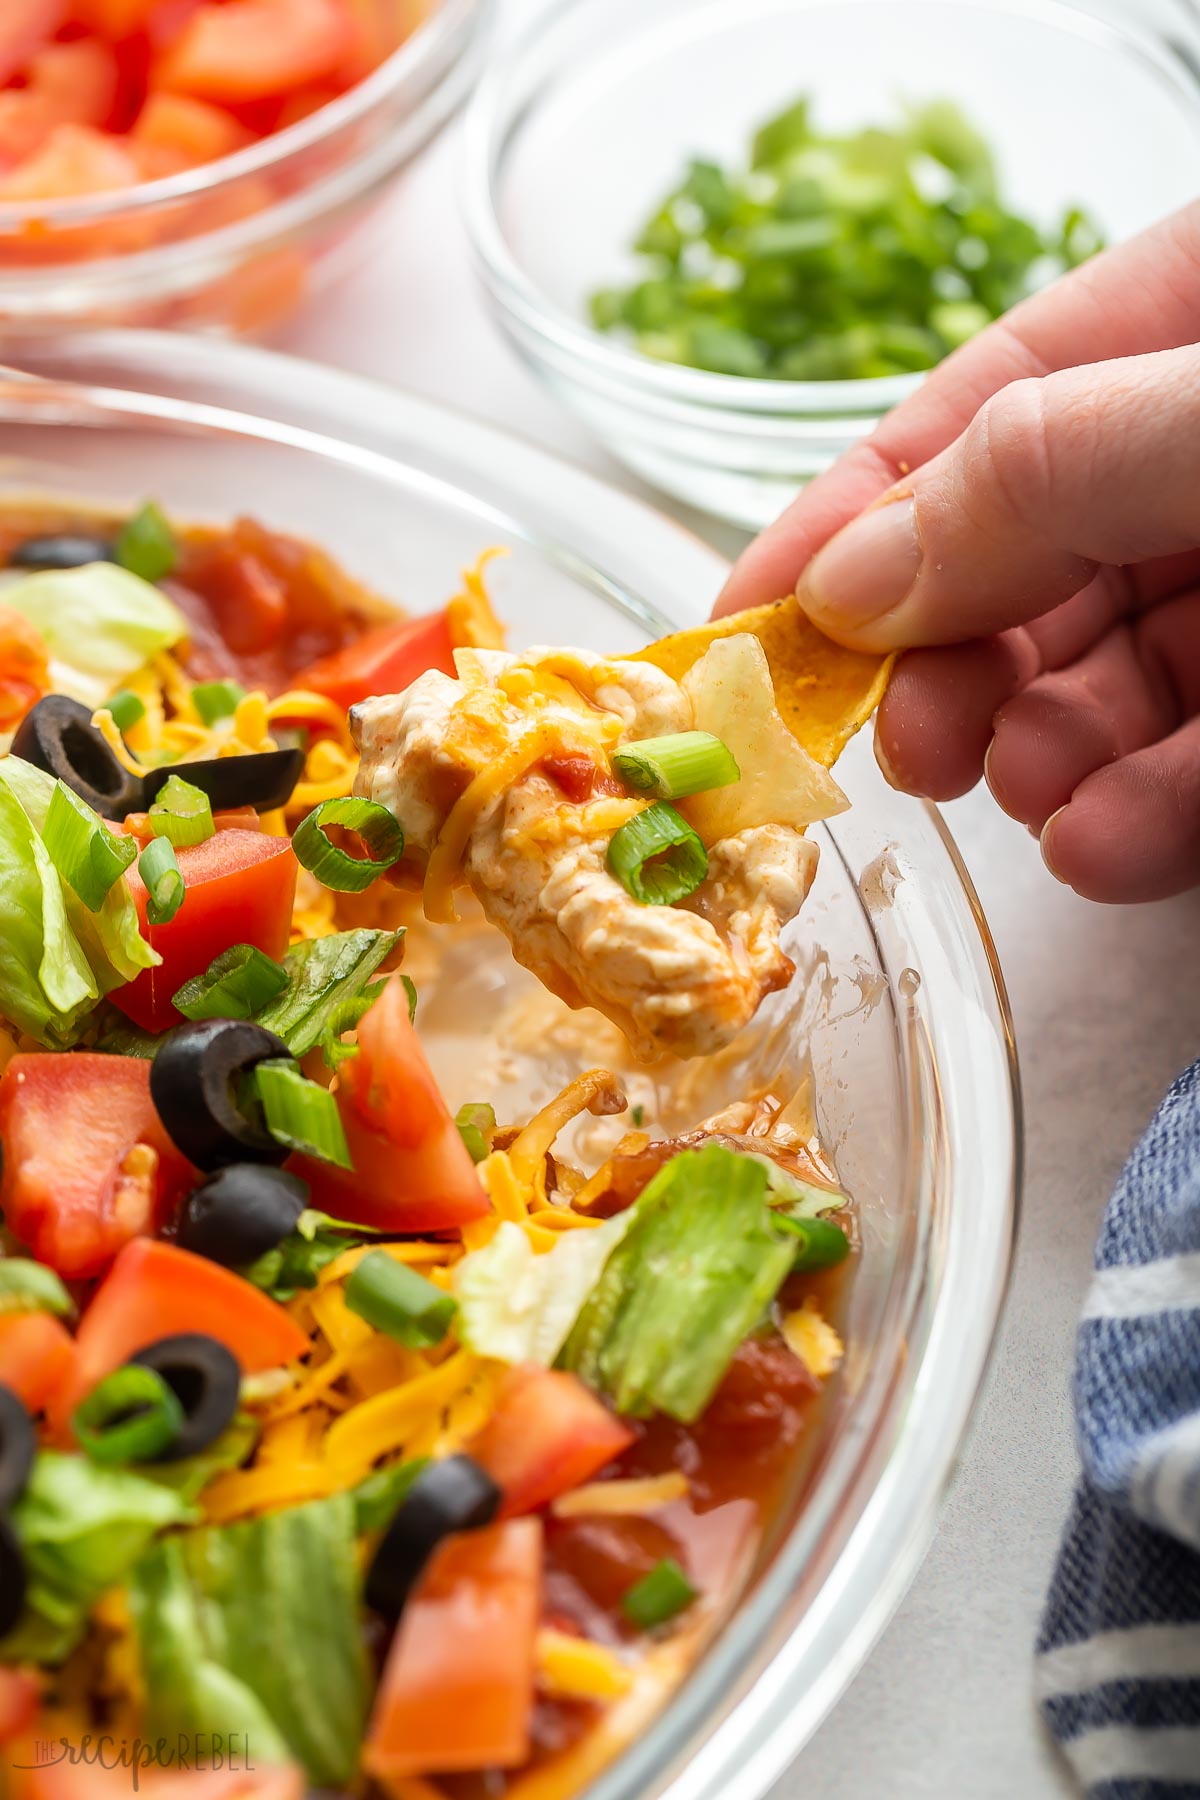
(143, 130)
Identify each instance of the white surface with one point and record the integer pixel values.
(1105, 1005)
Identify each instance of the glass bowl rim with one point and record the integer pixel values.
(917, 1425)
(606, 362)
(419, 54)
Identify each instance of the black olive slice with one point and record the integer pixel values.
(61, 550)
(205, 1378)
(12, 1578)
(57, 735)
(241, 1212)
(449, 1496)
(18, 1445)
(264, 780)
(192, 1086)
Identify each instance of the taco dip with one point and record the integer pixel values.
(415, 1339)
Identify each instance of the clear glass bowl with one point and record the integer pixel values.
(572, 138)
(239, 244)
(899, 1013)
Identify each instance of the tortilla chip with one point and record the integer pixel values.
(823, 692)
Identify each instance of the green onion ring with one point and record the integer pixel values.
(657, 857)
(160, 873)
(131, 1416)
(336, 868)
(181, 813)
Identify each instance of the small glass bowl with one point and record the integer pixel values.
(897, 1015)
(239, 244)
(574, 137)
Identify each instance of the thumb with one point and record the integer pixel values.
(1053, 477)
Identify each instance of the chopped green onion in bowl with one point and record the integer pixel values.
(836, 256)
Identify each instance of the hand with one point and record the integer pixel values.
(1031, 541)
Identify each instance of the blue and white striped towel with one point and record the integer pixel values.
(1118, 1655)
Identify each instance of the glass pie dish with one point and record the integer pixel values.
(896, 1027)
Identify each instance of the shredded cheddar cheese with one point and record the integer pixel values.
(622, 1499)
(573, 1668)
(813, 1339)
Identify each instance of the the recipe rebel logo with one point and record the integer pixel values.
(202, 1752)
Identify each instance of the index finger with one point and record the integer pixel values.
(1142, 295)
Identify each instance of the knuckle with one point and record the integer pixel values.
(1015, 453)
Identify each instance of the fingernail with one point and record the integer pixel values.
(885, 768)
(1044, 841)
(867, 569)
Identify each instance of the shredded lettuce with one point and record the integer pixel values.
(57, 958)
(519, 1307)
(46, 982)
(377, 1499)
(100, 622)
(255, 1628)
(323, 973)
(697, 1268)
(81, 1528)
(298, 1259)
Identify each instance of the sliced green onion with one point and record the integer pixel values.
(146, 544)
(164, 884)
(28, 1286)
(126, 709)
(215, 700)
(300, 1113)
(658, 1596)
(88, 856)
(181, 813)
(820, 1244)
(475, 1123)
(345, 1016)
(235, 985)
(687, 762)
(335, 868)
(657, 857)
(132, 1416)
(396, 1300)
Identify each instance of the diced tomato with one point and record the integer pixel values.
(547, 1434)
(382, 661)
(20, 1691)
(74, 160)
(36, 1354)
(25, 25)
(77, 1182)
(252, 49)
(24, 664)
(114, 19)
(412, 1171)
(194, 130)
(458, 1688)
(155, 1290)
(240, 887)
(66, 83)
